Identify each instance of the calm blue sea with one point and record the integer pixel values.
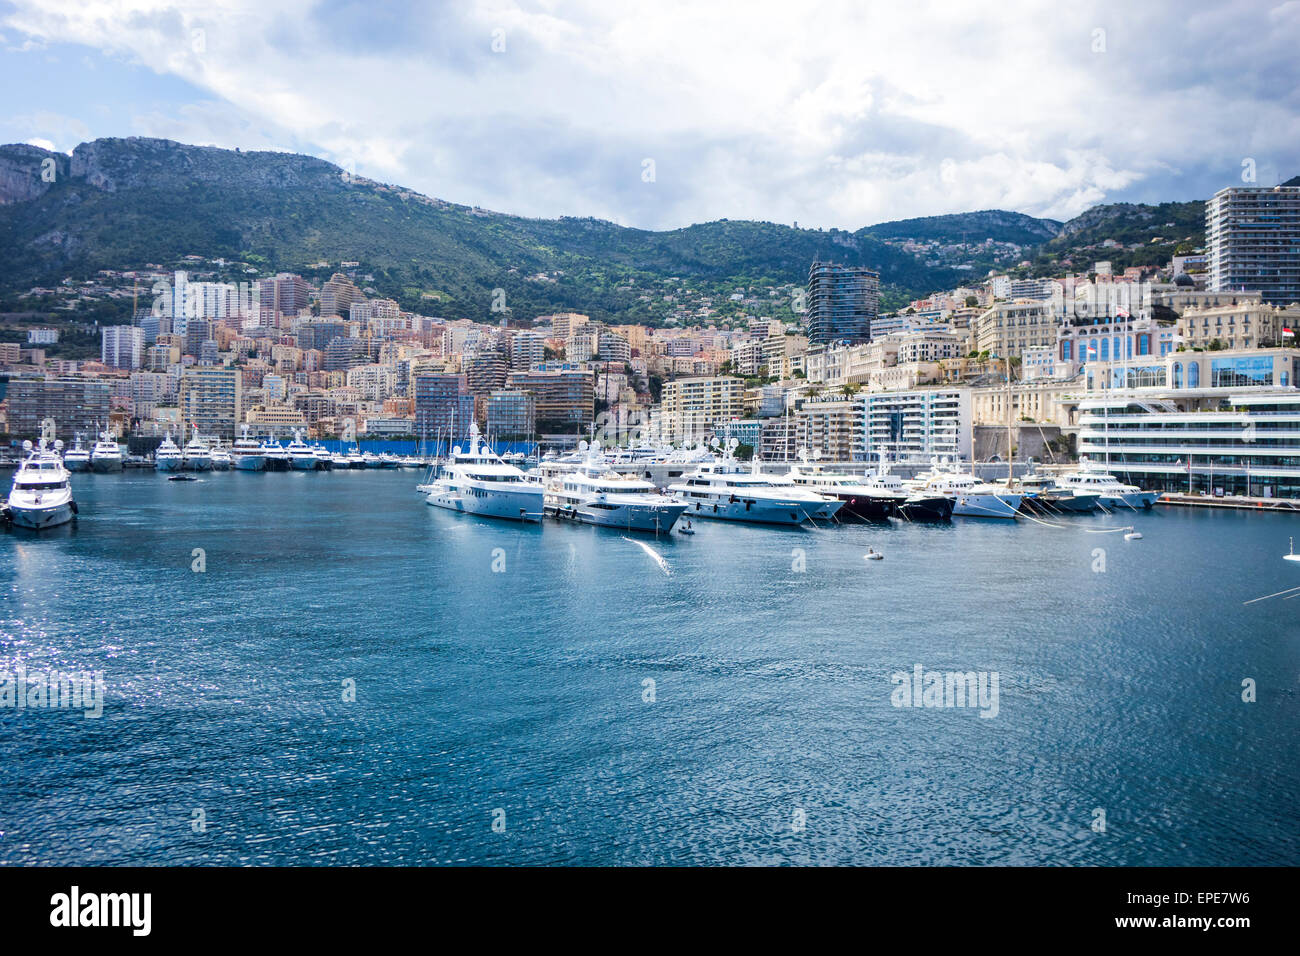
(523, 696)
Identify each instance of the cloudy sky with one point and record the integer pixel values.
(660, 114)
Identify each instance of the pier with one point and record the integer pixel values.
(1233, 502)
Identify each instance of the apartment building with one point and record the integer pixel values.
(1253, 241)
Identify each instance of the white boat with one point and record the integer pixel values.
(1111, 493)
(971, 497)
(354, 459)
(106, 456)
(222, 459)
(168, 456)
(324, 460)
(340, 461)
(247, 453)
(274, 456)
(1042, 493)
(302, 457)
(41, 494)
(728, 491)
(371, 460)
(594, 495)
(476, 481)
(77, 458)
(196, 455)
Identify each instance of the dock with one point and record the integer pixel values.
(1232, 502)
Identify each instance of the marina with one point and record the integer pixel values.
(523, 688)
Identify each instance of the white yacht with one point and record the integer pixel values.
(41, 495)
(274, 456)
(222, 459)
(247, 453)
(594, 495)
(478, 482)
(1111, 493)
(728, 491)
(168, 456)
(971, 497)
(874, 497)
(106, 456)
(324, 460)
(196, 455)
(1044, 495)
(301, 455)
(77, 458)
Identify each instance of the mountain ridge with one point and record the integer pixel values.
(120, 203)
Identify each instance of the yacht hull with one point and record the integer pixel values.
(106, 466)
(76, 464)
(926, 508)
(623, 517)
(986, 506)
(506, 505)
(198, 464)
(167, 464)
(41, 516)
(1138, 500)
(250, 463)
(764, 512)
(304, 464)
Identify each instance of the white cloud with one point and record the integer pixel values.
(832, 114)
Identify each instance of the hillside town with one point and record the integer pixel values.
(1189, 358)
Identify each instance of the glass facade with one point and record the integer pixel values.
(1236, 372)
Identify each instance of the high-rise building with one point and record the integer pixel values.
(526, 350)
(841, 302)
(485, 371)
(123, 346)
(443, 408)
(76, 405)
(337, 295)
(693, 407)
(1253, 241)
(566, 398)
(511, 414)
(211, 400)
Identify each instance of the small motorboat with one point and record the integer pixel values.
(1133, 536)
(181, 478)
(687, 529)
(873, 555)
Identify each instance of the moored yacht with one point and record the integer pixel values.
(106, 456)
(1044, 495)
(301, 455)
(222, 459)
(728, 491)
(77, 458)
(247, 453)
(197, 455)
(972, 498)
(274, 456)
(167, 457)
(594, 495)
(1111, 492)
(476, 481)
(324, 460)
(41, 494)
(887, 496)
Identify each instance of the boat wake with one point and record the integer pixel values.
(658, 558)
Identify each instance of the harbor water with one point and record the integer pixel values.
(305, 668)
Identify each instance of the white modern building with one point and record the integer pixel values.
(917, 425)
